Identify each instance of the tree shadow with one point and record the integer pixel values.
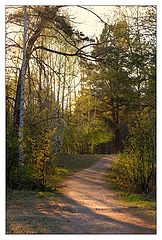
(67, 216)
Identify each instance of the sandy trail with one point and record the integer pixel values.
(91, 205)
(86, 205)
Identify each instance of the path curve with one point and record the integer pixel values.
(91, 206)
(85, 205)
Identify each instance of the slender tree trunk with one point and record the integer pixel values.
(117, 131)
(30, 98)
(23, 73)
(82, 91)
(70, 98)
(57, 115)
(62, 103)
(18, 91)
(63, 90)
(94, 117)
(40, 27)
(40, 87)
(54, 78)
(89, 98)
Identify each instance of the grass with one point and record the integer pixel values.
(128, 198)
(136, 200)
(69, 164)
(28, 200)
(131, 199)
(66, 165)
(140, 205)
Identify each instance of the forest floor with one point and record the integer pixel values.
(86, 203)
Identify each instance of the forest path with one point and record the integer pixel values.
(86, 204)
(91, 206)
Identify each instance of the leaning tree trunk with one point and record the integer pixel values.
(28, 55)
(23, 71)
(40, 27)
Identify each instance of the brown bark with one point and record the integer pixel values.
(115, 118)
(117, 131)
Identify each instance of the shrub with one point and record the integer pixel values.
(135, 167)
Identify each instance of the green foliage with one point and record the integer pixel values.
(11, 159)
(96, 137)
(75, 162)
(75, 142)
(40, 159)
(136, 200)
(130, 199)
(135, 168)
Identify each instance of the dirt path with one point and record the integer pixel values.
(86, 205)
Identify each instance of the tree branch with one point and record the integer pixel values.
(93, 13)
(77, 53)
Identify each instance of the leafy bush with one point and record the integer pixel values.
(135, 167)
(11, 159)
(40, 160)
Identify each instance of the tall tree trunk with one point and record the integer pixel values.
(57, 115)
(94, 117)
(89, 98)
(82, 91)
(40, 87)
(62, 103)
(40, 27)
(117, 131)
(115, 120)
(30, 98)
(23, 71)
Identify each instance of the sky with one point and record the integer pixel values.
(87, 22)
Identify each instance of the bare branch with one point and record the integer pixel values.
(77, 53)
(93, 13)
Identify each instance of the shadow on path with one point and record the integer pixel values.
(85, 206)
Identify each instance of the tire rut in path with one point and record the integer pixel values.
(88, 205)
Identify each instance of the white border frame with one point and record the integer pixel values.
(3, 119)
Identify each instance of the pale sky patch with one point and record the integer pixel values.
(87, 22)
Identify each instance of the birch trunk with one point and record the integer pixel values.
(40, 87)
(31, 42)
(63, 91)
(40, 27)
(70, 99)
(89, 98)
(82, 91)
(23, 73)
(57, 115)
(94, 118)
(62, 124)
(30, 98)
